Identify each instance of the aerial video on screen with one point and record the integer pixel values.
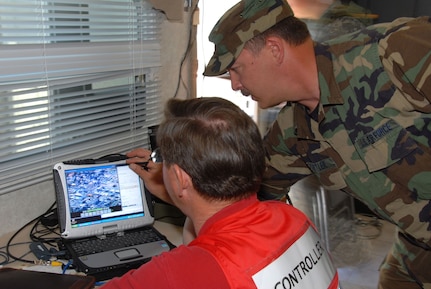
(93, 191)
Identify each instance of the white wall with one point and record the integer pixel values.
(209, 13)
(18, 208)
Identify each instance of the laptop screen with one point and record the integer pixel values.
(99, 198)
(103, 194)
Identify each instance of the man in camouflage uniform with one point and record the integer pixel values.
(328, 19)
(358, 116)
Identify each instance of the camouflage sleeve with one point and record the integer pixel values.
(407, 59)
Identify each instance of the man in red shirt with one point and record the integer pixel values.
(213, 162)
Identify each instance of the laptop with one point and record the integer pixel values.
(99, 205)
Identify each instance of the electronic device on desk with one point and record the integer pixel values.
(104, 216)
(163, 211)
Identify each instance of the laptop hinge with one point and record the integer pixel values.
(110, 230)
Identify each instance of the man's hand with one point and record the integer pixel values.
(152, 174)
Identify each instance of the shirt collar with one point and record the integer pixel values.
(329, 89)
(229, 210)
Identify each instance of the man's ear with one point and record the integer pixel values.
(276, 47)
(184, 180)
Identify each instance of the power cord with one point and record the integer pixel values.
(36, 235)
(43, 228)
(4, 258)
(7, 259)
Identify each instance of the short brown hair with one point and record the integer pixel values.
(216, 143)
(293, 30)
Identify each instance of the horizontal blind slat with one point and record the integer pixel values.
(78, 79)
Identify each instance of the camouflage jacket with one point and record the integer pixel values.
(371, 133)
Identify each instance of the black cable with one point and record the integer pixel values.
(9, 243)
(7, 259)
(288, 199)
(37, 235)
(186, 53)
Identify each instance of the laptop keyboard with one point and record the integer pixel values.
(112, 242)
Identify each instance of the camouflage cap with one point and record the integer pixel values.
(239, 24)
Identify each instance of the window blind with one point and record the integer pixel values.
(79, 79)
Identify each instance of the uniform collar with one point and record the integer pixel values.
(329, 89)
(306, 123)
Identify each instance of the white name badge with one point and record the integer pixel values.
(305, 265)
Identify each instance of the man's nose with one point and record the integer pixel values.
(235, 83)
